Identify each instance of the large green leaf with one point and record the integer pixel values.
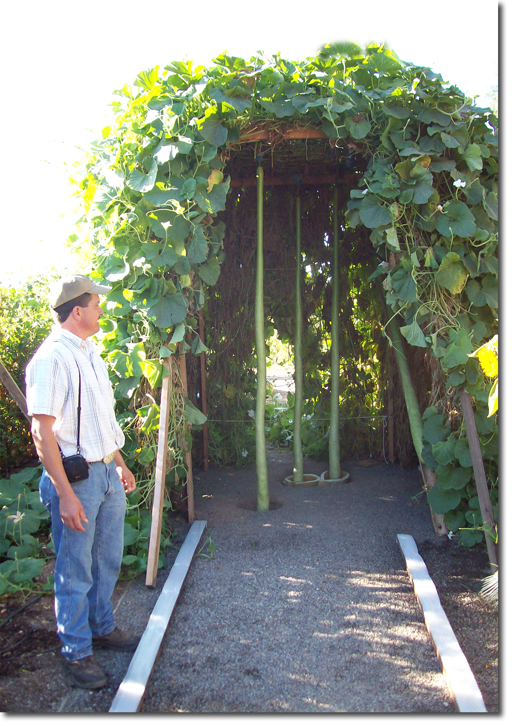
(443, 500)
(434, 429)
(214, 132)
(238, 98)
(414, 335)
(197, 251)
(150, 415)
(358, 126)
(280, 107)
(193, 415)
(9, 491)
(423, 189)
(160, 197)
(452, 476)
(485, 294)
(178, 233)
(116, 269)
(491, 204)
(213, 201)
(456, 219)
(169, 310)
(210, 271)
(16, 522)
(139, 181)
(404, 284)
(22, 571)
(443, 451)
(462, 452)
(152, 371)
(458, 349)
(473, 157)
(373, 214)
(452, 273)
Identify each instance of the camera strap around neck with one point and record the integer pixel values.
(79, 407)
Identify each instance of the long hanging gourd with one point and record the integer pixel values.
(334, 433)
(298, 356)
(413, 410)
(261, 461)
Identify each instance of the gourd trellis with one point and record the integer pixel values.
(415, 165)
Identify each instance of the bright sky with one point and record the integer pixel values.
(62, 60)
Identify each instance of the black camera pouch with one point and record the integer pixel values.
(76, 468)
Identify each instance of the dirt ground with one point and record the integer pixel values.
(32, 678)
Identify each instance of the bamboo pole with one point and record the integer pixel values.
(334, 432)
(188, 454)
(298, 353)
(261, 461)
(160, 480)
(480, 477)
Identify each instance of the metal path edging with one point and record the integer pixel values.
(131, 691)
(460, 680)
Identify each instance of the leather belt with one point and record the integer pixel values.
(107, 459)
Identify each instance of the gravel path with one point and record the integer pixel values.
(305, 608)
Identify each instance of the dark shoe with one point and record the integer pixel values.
(117, 640)
(86, 673)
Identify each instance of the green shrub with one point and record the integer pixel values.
(25, 321)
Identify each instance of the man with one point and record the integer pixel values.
(88, 516)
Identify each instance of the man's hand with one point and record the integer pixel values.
(126, 476)
(72, 512)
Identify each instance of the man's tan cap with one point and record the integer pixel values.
(72, 286)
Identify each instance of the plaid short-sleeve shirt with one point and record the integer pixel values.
(52, 389)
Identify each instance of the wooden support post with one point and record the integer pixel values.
(390, 410)
(203, 392)
(480, 476)
(160, 480)
(13, 390)
(188, 455)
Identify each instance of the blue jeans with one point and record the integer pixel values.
(87, 562)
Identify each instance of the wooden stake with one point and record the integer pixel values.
(390, 411)
(203, 386)
(13, 390)
(188, 455)
(160, 480)
(480, 476)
